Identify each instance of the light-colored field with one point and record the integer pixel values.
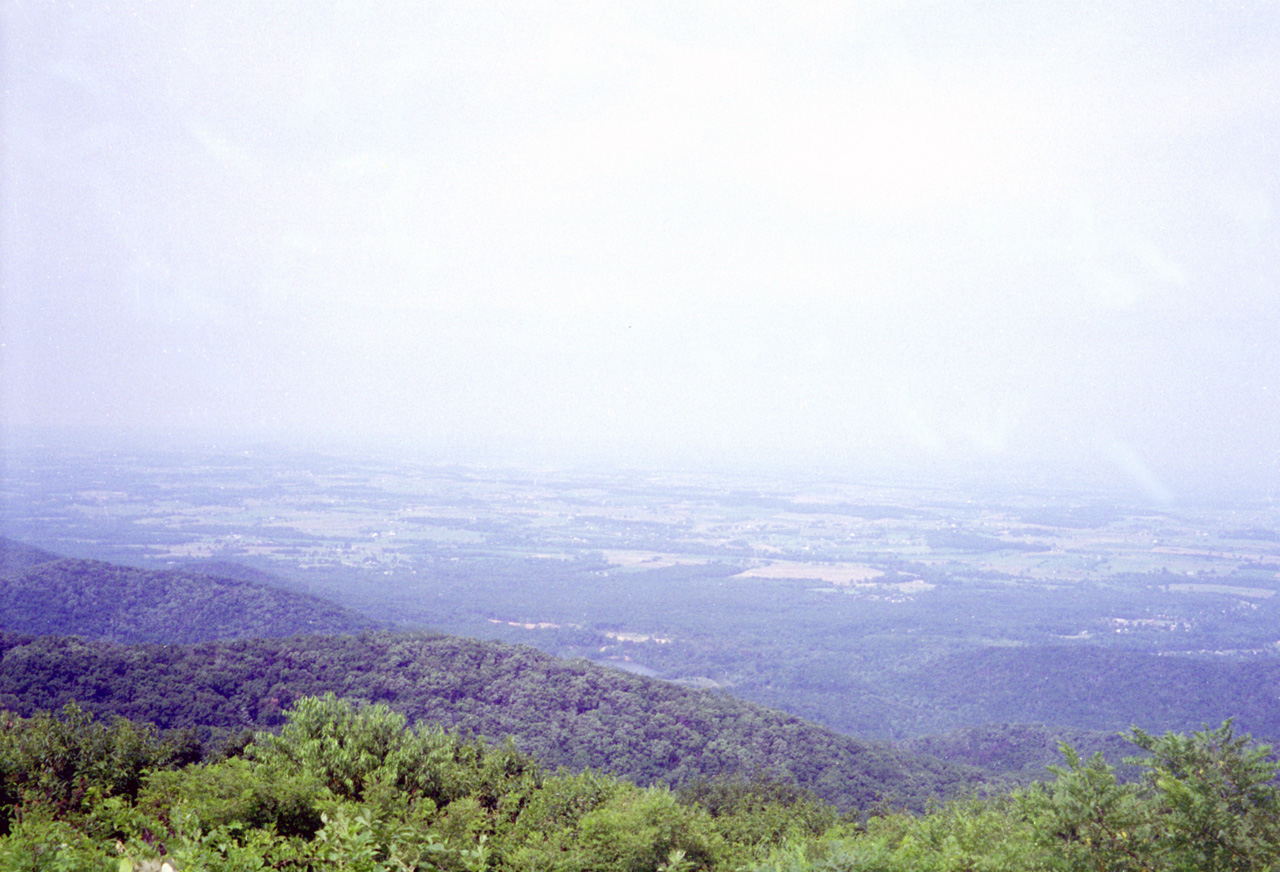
(1253, 592)
(639, 637)
(190, 549)
(834, 573)
(914, 586)
(528, 625)
(650, 559)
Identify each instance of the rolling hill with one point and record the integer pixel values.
(42, 593)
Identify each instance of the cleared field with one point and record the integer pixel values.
(1252, 592)
(835, 573)
(651, 559)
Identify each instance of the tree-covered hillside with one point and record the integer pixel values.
(569, 713)
(1093, 689)
(1020, 752)
(42, 593)
(17, 557)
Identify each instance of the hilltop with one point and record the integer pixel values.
(43, 593)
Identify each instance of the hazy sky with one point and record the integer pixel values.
(931, 235)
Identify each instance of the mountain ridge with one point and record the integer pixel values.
(42, 593)
(564, 713)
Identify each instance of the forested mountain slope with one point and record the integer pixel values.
(17, 557)
(569, 713)
(1022, 752)
(1093, 688)
(43, 593)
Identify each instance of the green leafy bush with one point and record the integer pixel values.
(346, 786)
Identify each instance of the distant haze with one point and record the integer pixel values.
(994, 238)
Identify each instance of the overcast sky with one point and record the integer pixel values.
(840, 236)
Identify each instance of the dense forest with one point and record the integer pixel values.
(349, 787)
(1095, 688)
(569, 713)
